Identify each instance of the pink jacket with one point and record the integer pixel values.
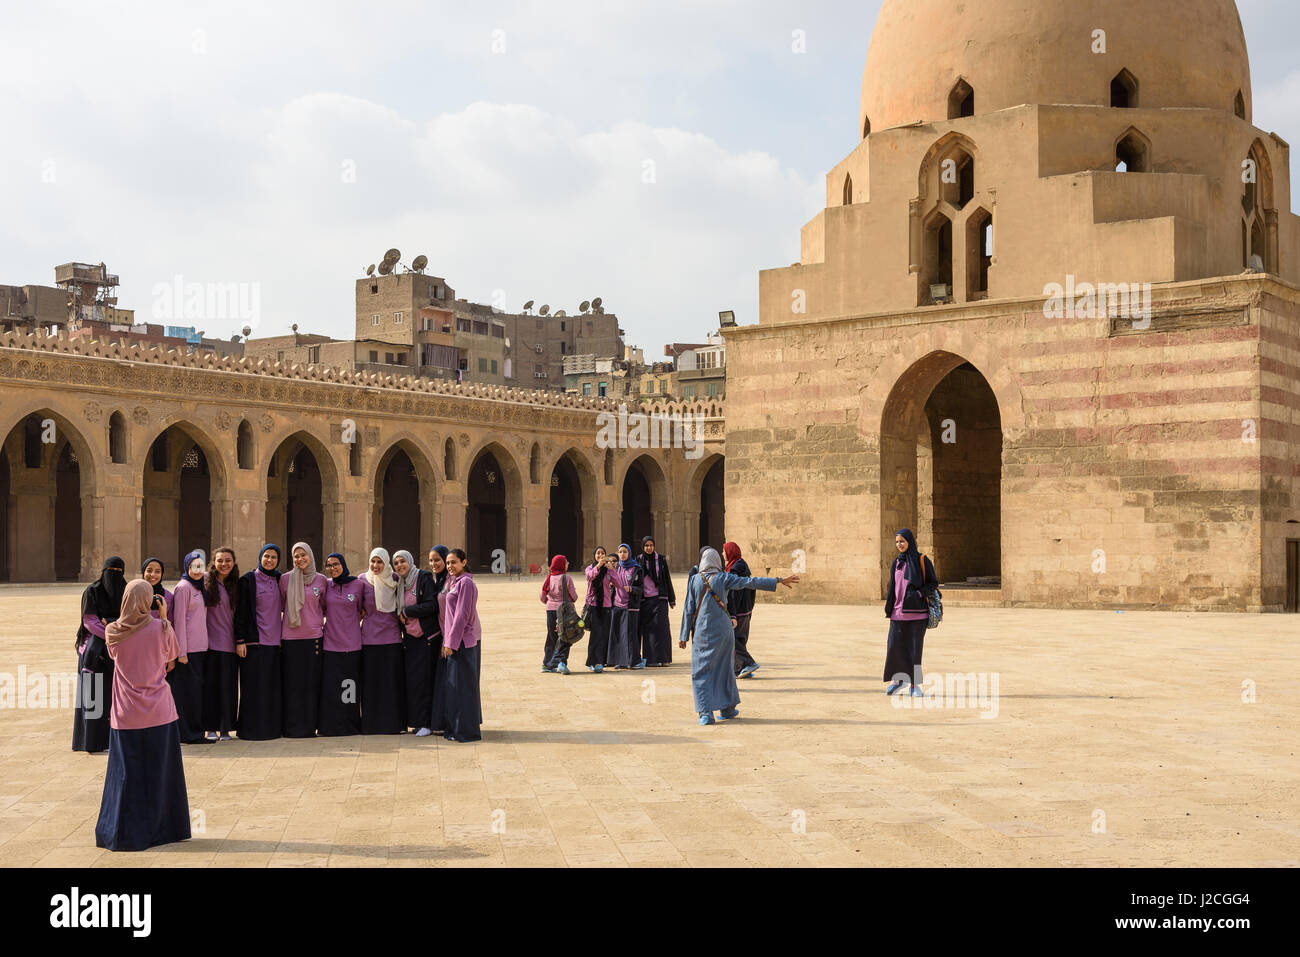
(458, 603)
(556, 591)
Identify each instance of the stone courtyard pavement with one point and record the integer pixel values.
(1114, 739)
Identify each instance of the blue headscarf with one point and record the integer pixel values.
(911, 559)
(440, 578)
(347, 578)
(189, 557)
(631, 559)
(268, 547)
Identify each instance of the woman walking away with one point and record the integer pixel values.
(625, 579)
(420, 618)
(340, 659)
(260, 625)
(101, 603)
(190, 622)
(417, 657)
(225, 648)
(152, 571)
(457, 706)
(144, 802)
(302, 590)
(383, 680)
(713, 655)
(911, 578)
(596, 612)
(740, 606)
(656, 635)
(557, 587)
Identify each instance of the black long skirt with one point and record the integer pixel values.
(457, 706)
(90, 727)
(383, 690)
(743, 657)
(340, 693)
(300, 686)
(259, 694)
(220, 691)
(144, 801)
(186, 681)
(903, 655)
(419, 658)
(624, 638)
(656, 637)
(597, 635)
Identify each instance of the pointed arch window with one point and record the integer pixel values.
(1124, 91)
(961, 101)
(1133, 153)
(848, 190)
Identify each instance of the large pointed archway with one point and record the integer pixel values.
(404, 509)
(301, 494)
(645, 503)
(182, 479)
(494, 504)
(46, 480)
(571, 503)
(941, 469)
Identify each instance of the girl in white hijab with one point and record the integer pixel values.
(299, 580)
(383, 679)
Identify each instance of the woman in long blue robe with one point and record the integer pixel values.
(713, 656)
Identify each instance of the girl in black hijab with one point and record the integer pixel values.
(911, 579)
(258, 624)
(101, 604)
(656, 635)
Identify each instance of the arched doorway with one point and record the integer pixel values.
(398, 517)
(644, 503)
(178, 487)
(564, 518)
(45, 469)
(67, 515)
(712, 510)
(4, 514)
(486, 518)
(295, 499)
(941, 469)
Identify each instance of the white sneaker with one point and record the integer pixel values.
(423, 733)
(211, 736)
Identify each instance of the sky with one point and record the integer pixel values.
(657, 155)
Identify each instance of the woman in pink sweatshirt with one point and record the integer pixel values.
(557, 587)
(456, 702)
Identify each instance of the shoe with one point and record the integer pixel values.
(423, 733)
(210, 736)
(728, 715)
(748, 670)
(706, 717)
(597, 669)
(664, 664)
(916, 692)
(894, 686)
(563, 668)
(547, 671)
(225, 736)
(639, 664)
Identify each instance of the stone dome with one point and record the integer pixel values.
(1182, 53)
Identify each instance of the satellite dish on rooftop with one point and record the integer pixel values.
(248, 331)
(597, 303)
(544, 310)
(560, 313)
(294, 327)
(370, 270)
(586, 304)
(385, 268)
(528, 305)
(419, 263)
(392, 256)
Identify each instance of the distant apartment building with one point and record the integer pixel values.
(416, 319)
(83, 305)
(701, 367)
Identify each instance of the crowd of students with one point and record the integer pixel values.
(297, 653)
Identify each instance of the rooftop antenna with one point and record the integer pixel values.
(419, 263)
(248, 331)
(392, 256)
(385, 268)
(544, 310)
(370, 270)
(585, 306)
(528, 307)
(560, 314)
